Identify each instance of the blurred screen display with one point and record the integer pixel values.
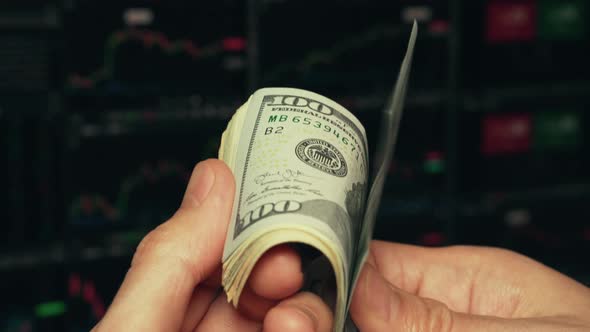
(155, 47)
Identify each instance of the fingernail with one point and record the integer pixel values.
(381, 299)
(199, 185)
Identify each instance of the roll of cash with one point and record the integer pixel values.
(301, 166)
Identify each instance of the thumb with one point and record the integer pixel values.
(179, 254)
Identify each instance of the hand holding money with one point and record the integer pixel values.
(300, 162)
(174, 280)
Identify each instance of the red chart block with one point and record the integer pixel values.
(506, 134)
(509, 21)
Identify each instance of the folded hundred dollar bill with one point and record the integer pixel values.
(301, 166)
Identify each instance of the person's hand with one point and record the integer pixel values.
(173, 283)
(455, 289)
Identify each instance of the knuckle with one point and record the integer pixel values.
(154, 244)
(160, 249)
(439, 317)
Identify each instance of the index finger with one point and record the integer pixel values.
(277, 274)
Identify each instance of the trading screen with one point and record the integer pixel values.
(105, 108)
(173, 46)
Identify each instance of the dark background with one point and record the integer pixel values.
(105, 107)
